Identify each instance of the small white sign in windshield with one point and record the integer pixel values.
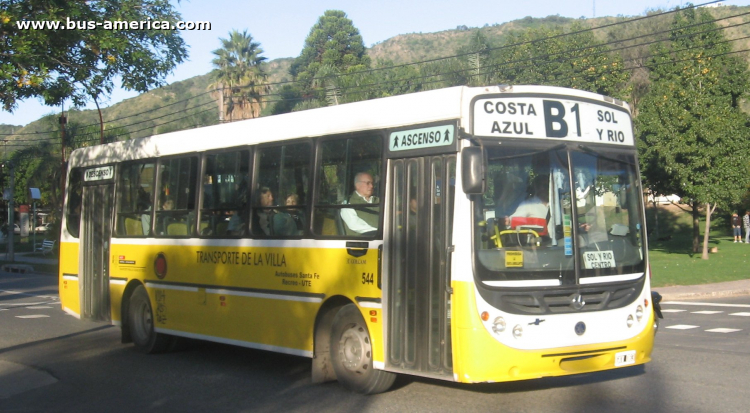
(552, 118)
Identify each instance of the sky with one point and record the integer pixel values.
(281, 26)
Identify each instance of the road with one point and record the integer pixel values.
(53, 362)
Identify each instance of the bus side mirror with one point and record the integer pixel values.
(473, 167)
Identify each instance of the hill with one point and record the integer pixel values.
(188, 104)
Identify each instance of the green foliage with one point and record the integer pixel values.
(82, 63)
(334, 46)
(578, 60)
(692, 133)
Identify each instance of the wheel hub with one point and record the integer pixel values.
(355, 349)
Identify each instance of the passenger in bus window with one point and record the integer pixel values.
(362, 221)
(236, 225)
(295, 213)
(166, 219)
(144, 204)
(270, 221)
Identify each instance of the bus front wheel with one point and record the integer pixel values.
(141, 324)
(351, 354)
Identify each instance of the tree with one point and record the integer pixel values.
(552, 57)
(69, 58)
(333, 45)
(692, 133)
(239, 77)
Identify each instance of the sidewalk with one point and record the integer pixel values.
(701, 291)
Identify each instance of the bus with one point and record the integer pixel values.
(471, 234)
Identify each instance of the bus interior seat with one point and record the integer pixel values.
(133, 226)
(177, 228)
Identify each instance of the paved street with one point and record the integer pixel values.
(53, 362)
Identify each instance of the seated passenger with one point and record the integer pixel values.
(270, 221)
(362, 221)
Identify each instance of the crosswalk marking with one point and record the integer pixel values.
(705, 304)
(682, 327)
(723, 330)
(707, 312)
(32, 316)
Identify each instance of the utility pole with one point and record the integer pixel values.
(63, 166)
(11, 218)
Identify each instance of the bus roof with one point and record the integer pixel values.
(383, 113)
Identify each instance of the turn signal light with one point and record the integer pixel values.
(485, 316)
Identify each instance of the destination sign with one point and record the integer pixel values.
(99, 174)
(551, 118)
(430, 137)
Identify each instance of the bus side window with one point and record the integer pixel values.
(175, 207)
(75, 194)
(344, 161)
(135, 200)
(280, 200)
(225, 185)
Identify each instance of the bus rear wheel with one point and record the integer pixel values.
(351, 354)
(141, 324)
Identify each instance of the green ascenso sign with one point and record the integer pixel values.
(422, 138)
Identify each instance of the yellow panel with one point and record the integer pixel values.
(478, 357)
(260, 302)
(69, 292)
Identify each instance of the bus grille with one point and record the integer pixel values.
(560, 302)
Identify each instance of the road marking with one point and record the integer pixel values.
(741, 314)
(723, 330)
(672, 310)
(38, 307)
(706, 312)
(32, 316)
(51, 297)
(19, 304)
(682, 327)
(706, 304)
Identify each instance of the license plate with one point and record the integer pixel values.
(624, 358)
(598, 259)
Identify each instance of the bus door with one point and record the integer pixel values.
(96, 231)
(418, 239)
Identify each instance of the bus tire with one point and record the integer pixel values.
(141, 324)
(351, 354)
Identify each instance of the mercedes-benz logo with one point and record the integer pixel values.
(577, 302)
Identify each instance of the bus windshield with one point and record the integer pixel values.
(559, 215)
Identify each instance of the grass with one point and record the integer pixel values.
(674, 263)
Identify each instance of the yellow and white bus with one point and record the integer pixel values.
(468, 234)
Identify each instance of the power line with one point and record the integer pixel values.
(369, 86)
(558, 36)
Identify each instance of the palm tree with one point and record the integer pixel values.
(238, 77)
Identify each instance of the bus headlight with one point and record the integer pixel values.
(630, 320)
(498, 326)
(517, 331)
(639, 313)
